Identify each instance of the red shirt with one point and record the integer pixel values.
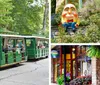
(70, 20)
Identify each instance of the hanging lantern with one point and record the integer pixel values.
(54, 54)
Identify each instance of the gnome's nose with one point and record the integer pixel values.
(69, 11)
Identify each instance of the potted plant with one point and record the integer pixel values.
(60, 80)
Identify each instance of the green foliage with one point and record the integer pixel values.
(60, 8)
(53, 6)
(56, 19)
(60, 80)
(95, 18)
(91, 33)
(97, 5)
(27, 18)
(88, 34)
(89, 28)
(75, 2)
(84, 22)
(23, 16)
(62, 34)
(94, 51)
(5, 11)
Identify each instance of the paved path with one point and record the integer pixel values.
(29, 73)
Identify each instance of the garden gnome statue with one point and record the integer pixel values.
(69, 18)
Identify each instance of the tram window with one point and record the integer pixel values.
(28, 43)
(46, 44)
(39, 44)
(19, 43)
(10, 43)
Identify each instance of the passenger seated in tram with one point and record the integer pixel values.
(22, 48)
(7, 48)
(17, 49)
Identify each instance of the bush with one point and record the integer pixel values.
(94, 51)
(91, 33)
(55, 19)
(95, 18)
(84, 22)
(89, 29)
(60, 80)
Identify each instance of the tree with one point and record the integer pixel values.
(27, 16)
(94, 52)
(5, 11)
(24, 16)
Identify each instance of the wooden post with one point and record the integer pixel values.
(60, 60)
(80, 4)
(64, 65)
(76, 62)
(53, 70)
(71, 62)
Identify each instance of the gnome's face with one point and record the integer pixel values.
(70, 11)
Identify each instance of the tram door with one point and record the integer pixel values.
(31, 47)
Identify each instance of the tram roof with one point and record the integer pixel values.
(35, 37)
(22, 36)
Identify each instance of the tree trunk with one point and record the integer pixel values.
(45, 15)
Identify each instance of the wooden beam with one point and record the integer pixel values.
(64, 65)
(60, 60)
(71, 62)
(76, 61)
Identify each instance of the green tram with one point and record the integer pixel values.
(15, 49)
(37, 47)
